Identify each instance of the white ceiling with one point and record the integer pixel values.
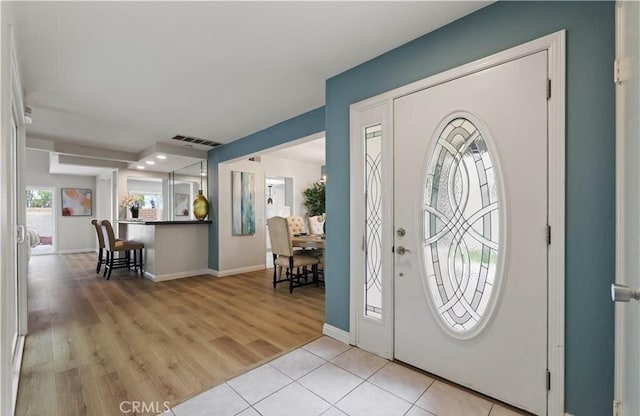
(312, 152)
(126, 75)
(169, 164)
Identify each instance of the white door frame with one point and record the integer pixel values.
(379, 109)
(12, 106)
(627, 202)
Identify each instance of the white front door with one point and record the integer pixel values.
(470, 218)
(627, 370)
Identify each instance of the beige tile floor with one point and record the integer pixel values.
(329, 378)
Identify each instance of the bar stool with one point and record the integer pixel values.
(101, 261)
(112, 245)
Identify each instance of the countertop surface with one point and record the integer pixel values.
(143, 222)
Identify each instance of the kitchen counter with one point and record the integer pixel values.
(172, 249)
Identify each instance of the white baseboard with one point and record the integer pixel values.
(76, 250)
(336, 333)
(230, 272)
(172, 276)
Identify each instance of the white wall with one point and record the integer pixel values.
(104, 197)
(303, 174)
(248, 252)
(73, 234)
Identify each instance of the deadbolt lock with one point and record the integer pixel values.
(401, 232)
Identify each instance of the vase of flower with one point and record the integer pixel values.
(133, 202)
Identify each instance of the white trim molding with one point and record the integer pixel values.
(369, 333)
(556, 189)
(554, 45)
(336, 333)
(239, 270)
(181, 275)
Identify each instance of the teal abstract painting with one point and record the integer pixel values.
(243, 197)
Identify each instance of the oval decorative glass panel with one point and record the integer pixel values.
(461, 227)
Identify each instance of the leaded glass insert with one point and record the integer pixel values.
(373, 219)
(461, 226)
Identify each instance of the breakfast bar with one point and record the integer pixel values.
(172, 249)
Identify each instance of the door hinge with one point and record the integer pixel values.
(548, 380)
(548, 234)
(620, 70)
(616, 408)
(548, 88)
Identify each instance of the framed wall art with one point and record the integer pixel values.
(76, 202)
(243, 196)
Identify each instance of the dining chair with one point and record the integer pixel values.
(316, 225)
(296, 225)
(296, 264)
(113, 246)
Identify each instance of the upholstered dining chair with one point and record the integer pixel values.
(316, 225)
(296, 264)
(113, 245)
(296, 225)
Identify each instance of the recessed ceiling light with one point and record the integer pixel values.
(150, 162)
(140, 167)
(163, 157)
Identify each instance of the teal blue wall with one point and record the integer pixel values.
(590, 182)
(296, 128)
(590, 164)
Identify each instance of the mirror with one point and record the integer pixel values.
(184, 186)
(149, 193)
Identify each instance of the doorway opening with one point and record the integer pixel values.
(279, 202)
(41, 220)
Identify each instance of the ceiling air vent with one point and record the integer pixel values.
(195, 140)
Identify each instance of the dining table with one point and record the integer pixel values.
(309, 241)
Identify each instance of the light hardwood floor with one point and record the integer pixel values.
(93, 344)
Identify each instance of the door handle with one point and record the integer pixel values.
(20, 234)
(622, 293)
(401, 250)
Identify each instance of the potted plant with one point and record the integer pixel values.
(314, 199)
(133, 202)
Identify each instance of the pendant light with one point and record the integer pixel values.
(270, 200)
